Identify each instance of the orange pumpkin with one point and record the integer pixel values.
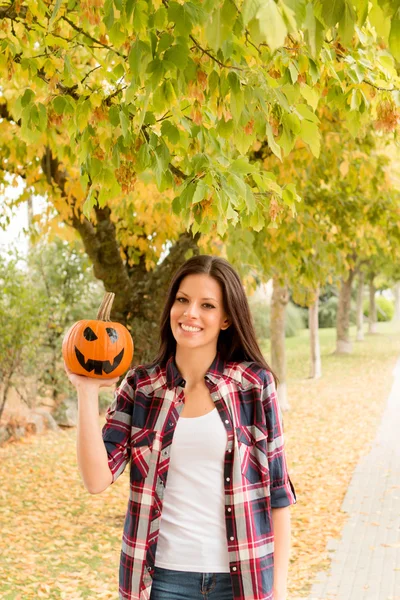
(98, 348)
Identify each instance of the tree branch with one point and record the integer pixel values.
(80, 30)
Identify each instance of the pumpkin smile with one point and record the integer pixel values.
(98, 365)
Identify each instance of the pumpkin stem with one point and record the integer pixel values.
(105, 307)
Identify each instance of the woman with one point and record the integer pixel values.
(205, 415)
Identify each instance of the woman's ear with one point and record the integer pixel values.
(226, 323)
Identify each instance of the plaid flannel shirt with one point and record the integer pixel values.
(139, 429)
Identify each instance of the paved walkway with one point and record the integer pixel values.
(366, 560)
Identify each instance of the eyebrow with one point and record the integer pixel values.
(213, 299)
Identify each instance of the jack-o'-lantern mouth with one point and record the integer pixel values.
(98, 366)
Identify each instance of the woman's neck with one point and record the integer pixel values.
(194, 364)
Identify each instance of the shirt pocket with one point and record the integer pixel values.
(141, 449)
(253, 452)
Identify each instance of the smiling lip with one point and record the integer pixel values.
(194, 326)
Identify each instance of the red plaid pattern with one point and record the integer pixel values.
(139, 430)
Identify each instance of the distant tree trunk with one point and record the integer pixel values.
(279, 300)
(343, 344)
(315, 366)
(372, 306)
(396, 290)
(360, 311)
(30, 221)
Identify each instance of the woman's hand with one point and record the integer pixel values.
(81, 382)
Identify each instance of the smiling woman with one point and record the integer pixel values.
(98, 348)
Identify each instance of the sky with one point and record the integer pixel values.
(14, 233)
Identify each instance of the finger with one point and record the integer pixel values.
(67, 370)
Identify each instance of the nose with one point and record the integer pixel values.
(191, 310)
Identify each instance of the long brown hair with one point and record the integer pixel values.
(238, 342)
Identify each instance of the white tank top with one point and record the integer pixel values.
(192, 533)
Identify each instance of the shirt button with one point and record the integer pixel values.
(229, 449)
(231, 538)
(226, 421)
(229, 509)
(228, 479)
(234, 569)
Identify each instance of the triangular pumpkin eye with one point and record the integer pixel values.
(113, 335)
(89, 335)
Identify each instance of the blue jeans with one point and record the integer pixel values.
(182, 585)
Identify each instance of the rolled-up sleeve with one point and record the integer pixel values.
(282, 490)
(116, 431)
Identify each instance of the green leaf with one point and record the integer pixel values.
(143, 157)
(329, 11)
(176, 205)
(182, 16)
(155, 67)
(170, 132)
(59, 105)
(250, 9)
(117, 35)
(201, 189)
(89, 203)
(42, 116)
(140, 18)
(294, 72)
(27, 97)
(272, 143)
(54, 14)
(214, 29)
(394, 36)
(314, 31)
(160, 17)
(347, 23)
(310, 94)
(108, 15)
(178, 55)
(225, 128)
(271, 24)
(380, 21)
(124, 122)
(306, 113)
(362, 11)
(310, 135)
(241, 166)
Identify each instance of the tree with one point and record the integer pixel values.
(20, 325)
(66, 292)
(100, 101)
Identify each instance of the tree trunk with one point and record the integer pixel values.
(4, 396)
(396, 290)
(315, 367)
(360, 311)
(372, 306)
(279, 300)
(343, 344)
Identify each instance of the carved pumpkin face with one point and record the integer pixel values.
(98, 348)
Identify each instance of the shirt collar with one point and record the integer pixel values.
(174, 377)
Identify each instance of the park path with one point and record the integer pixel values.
(366, 560)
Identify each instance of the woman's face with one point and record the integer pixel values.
(197, 314)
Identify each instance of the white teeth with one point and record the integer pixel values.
(187, 328)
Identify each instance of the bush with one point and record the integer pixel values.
(260, 311)
(327, 313)
(384, 308)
